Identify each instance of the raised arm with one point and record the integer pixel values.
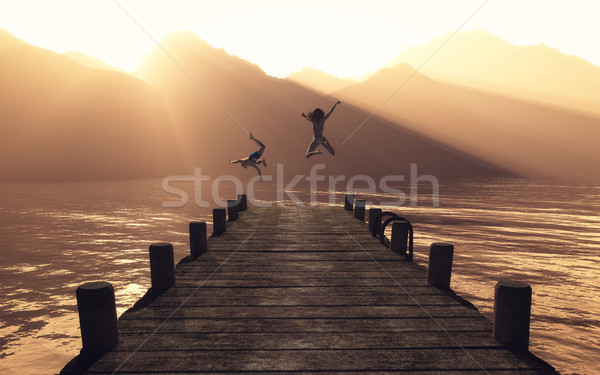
(331, 110)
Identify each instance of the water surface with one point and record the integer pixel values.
(58, 236)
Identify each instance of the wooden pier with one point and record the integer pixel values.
(306, 290)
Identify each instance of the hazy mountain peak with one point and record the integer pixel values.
(190, 58)
(187, 41)
(404, 68)
(483, 60)
(183, 37)
(319, 80)
(9, 40)
(91, 62)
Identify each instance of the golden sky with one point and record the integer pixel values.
(347, 38)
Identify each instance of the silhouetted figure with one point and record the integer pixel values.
(254, 159)
(317, 117)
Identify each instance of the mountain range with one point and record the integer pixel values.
(188, 104)
(482, 60)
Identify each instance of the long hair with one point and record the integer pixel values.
(316, 115)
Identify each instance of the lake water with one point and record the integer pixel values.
(55, 237)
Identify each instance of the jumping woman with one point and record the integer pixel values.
(254, 159)
(317, 117)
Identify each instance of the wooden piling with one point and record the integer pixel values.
(359, 209)
(242, 202)
(440, 264)
(512, 312)
(399, 240)
(97, 317)
(374, 226)
(232, 209)
(198, 241)
(349, 202)
(162, 267)
(219, 221)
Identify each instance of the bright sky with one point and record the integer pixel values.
(347, 38)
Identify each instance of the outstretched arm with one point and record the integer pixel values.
(304, 115)
(331, 110)
(236, 161)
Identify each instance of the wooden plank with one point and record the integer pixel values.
(366, 265)
(289, 300)
(276, 257)
(304, 340)
(188, 281)
(233, 312)
(276, 292)
(313, 360)
(308, 275)
(364, 325)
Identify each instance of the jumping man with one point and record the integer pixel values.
(254, 159)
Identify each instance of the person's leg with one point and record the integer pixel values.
(328, 147)
(259, 174)
(263, 161)
(262, 146)
(311, 149)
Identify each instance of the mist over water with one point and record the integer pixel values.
(58, 236)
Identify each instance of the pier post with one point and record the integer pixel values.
(242, 202)
(97, 317)
(349, 202)
(373, 226)
(198, 242)
(399, 240)
(512, 313)
(232, 209)
(359, 209)
(219, 221)
(440, 264)
(162, 267)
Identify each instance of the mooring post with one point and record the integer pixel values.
(162, 267)
(198, 242)
(373, 226)
(219, 221)
(440, 264)
(359, 209)
(97, 317)
(399, 240)
(232, 209)
(512, 313)
(242, 202)
(349, 202)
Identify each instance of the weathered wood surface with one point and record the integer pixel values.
(306, 290)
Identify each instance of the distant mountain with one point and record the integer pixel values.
(321, 81)
(91, 62)
(8, 40)
(194, 76)
(516, 134)
(60, 120)
(482, 60)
